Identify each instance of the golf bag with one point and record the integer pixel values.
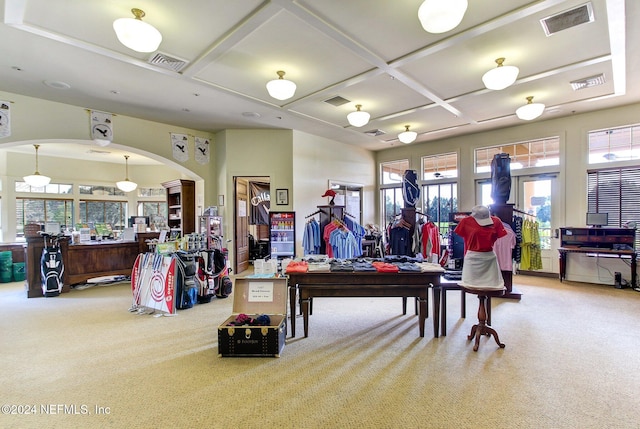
(500, 178)
(51, 266)
(212, 275)
(186, 286)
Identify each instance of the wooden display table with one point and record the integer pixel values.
(366, 284)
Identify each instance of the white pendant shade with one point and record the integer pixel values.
(440, 16)
(136, 34)
(281, 88)
(126, 185)
(358, 118)
(530, 110)
(501, 76)
(407, 136)
(36, 179)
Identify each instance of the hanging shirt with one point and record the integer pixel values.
(504, 248)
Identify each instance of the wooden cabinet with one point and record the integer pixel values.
(181, 201)
(606, 242)
(601, 238)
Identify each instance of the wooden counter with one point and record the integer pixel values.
(85, 260)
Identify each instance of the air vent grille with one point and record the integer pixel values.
(337, 101)
(588, 82)
(167, 62)
(567, 19)
(375, 133)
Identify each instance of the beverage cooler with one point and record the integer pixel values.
(283, 234)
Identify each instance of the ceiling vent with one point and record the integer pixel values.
(167, 62)
(567, 19)
(375, 133)
(337, 101)
(588, 82)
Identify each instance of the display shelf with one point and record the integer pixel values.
(181, 204)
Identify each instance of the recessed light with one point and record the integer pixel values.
(251, 114)
(56, 84)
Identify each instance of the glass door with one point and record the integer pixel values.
(536, 196)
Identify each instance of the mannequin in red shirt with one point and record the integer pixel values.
(480, 231)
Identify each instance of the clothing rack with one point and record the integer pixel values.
(524, 213)
(314, 213)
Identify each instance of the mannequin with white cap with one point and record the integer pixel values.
(481, 273)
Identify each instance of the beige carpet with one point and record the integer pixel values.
(571, 361)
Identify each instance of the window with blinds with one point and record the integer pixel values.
(615, 191)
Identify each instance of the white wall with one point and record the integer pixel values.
(317, 160)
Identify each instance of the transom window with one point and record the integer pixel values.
(392, 171)
(526, 154)
(614, 144)
(51, 188)
(439, 166)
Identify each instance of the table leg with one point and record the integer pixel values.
(404, 305)
(422, 312)
(443, 312)
(305, 314)
(436, 310)
(292, 305)
(633, 271)
(563, 263)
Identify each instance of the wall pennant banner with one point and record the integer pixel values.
(202, 150)
(5, 119)
(180, 147)
(101, 127)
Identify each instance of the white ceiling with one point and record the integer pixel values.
(371, 52)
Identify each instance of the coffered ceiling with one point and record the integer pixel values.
(369, 52)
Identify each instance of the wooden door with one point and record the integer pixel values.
(242, 225)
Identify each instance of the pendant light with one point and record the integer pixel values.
(407, 136)
(136, 34)
(440, 16)
(358, 118)
(126, 185)
(530, 110)
(36, 179)
(281, 88)
(501, 76)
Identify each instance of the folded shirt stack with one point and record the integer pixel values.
(385, 267)
(297, 267)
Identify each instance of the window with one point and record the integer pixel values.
(100, 190)
(38, 210)
(438, 201)
(439, 166)
(532, 153)
(616, 144)
(393, 202)
(152, 192)
(51, 188)
(153, 209)
(109, 212)
(617, 192)
(392, 171)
